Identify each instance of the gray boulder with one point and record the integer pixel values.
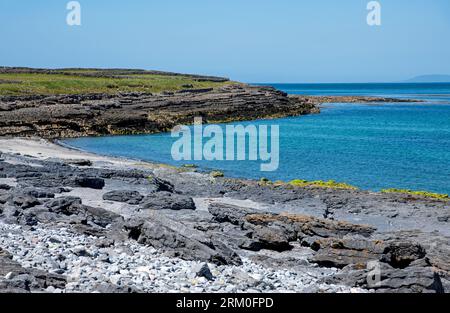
(402, 254)
(38, 193)
(167, 201)
(268, 237)
(63, 205)
(24, 201)
(227, 213)
(203, 270)
(336, 252)
(179, 240)
(389, 280)
(125, 196)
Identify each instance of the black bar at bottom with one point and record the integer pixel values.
(224, 302)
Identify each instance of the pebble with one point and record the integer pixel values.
(9, 276)
(203, 271)
(82, 261)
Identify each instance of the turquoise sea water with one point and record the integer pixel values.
(401, 145)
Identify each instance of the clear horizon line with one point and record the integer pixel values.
(333, 83)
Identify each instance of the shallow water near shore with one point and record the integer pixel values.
(370, 146)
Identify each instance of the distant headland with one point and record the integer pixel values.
(429, 79)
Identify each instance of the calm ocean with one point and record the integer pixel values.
(370, 146)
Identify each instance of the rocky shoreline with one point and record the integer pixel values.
(76, 222)
(78, 115)
(63, 116)
(351, 99)
(72, 221)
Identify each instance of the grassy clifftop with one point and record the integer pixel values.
(26, 81)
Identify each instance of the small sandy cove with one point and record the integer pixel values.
(43, 149)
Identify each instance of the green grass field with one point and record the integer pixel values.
(78, 81)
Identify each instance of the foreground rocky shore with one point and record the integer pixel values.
(76, 222)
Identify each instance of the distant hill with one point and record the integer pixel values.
(430, 79)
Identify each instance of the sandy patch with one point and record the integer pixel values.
(42, 149)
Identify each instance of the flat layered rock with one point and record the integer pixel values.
(100, 114)
(230, 213)
(164, 200)
(334, 252)
(125, 196)
(308, 226)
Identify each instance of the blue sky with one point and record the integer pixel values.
(247, 40)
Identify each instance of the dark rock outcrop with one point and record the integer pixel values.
(178, 240)
(384, 279)
(275, 232)
(402, 254)
(309, 226)
(24, 201)
(204, 271)
(229, 213)
(164, 200)
(89, 182)
(333, 252)
(63, 205)
(125, 196)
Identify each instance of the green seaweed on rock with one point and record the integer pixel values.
(216, 174)
(321, 184)
(425, 194)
